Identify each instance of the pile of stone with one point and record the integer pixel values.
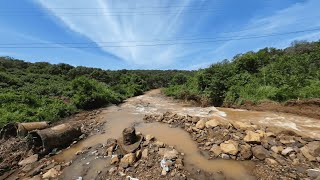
(244, 141)
(134, 151)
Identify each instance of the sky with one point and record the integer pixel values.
(153, 34)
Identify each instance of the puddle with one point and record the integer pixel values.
(182, 142)
(132, 111)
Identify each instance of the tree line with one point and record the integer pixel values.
(48, 92)
(269, 74)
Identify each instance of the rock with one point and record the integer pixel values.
(270, 161)
(292, 156)
(111, 142)
(112, 170)
(252, 137)
(287, 151)
(138, 154)
(245, 152)
(313, 173)
(128, 158)
(149, 137)
(145, 154)
(159, 144)
(163, 172)
(241, 125)
(161, 151)
(305, 151)
(124, 165)
(270, 134)
(170, 154)
(280, 159)
(195, 119)
(261, 133)
(110, 150)
(295, 162)
(276, 149)
(287, 140)
(27, 168)
(122, 174)
(229, 147)
(200, 124)
(225, 156)
(52, 173)
(212, 123)
(314, 148)
(216, 150)
(260, 152)
(29, 160)
(114, 159)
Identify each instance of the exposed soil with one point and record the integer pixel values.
(90, 157)
(308, 108)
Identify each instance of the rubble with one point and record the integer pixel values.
(272, 150)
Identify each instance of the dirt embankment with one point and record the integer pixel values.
(308, 108)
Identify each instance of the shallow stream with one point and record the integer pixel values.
(134, 109)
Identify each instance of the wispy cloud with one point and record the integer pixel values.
(136, 27)
(299, 16)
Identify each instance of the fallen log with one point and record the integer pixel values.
(60, 136)
(21, 129)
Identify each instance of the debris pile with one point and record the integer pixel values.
(136, 155)
(284, 153)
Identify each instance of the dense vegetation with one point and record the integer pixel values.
(269, 74)
(48, 92)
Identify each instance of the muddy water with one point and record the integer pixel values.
(301, 125)
(181, 141)
(133, 110)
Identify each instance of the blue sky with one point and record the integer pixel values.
(153, 34)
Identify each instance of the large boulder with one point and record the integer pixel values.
(229, 147)
(212, 123)
(260, 152)
(200, 124)
(252, 137)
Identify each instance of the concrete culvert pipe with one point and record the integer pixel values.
(60, 136)
(21, 129)
(9, 130)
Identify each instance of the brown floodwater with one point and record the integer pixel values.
(132, 111)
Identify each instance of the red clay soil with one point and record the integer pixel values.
(308, 108)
